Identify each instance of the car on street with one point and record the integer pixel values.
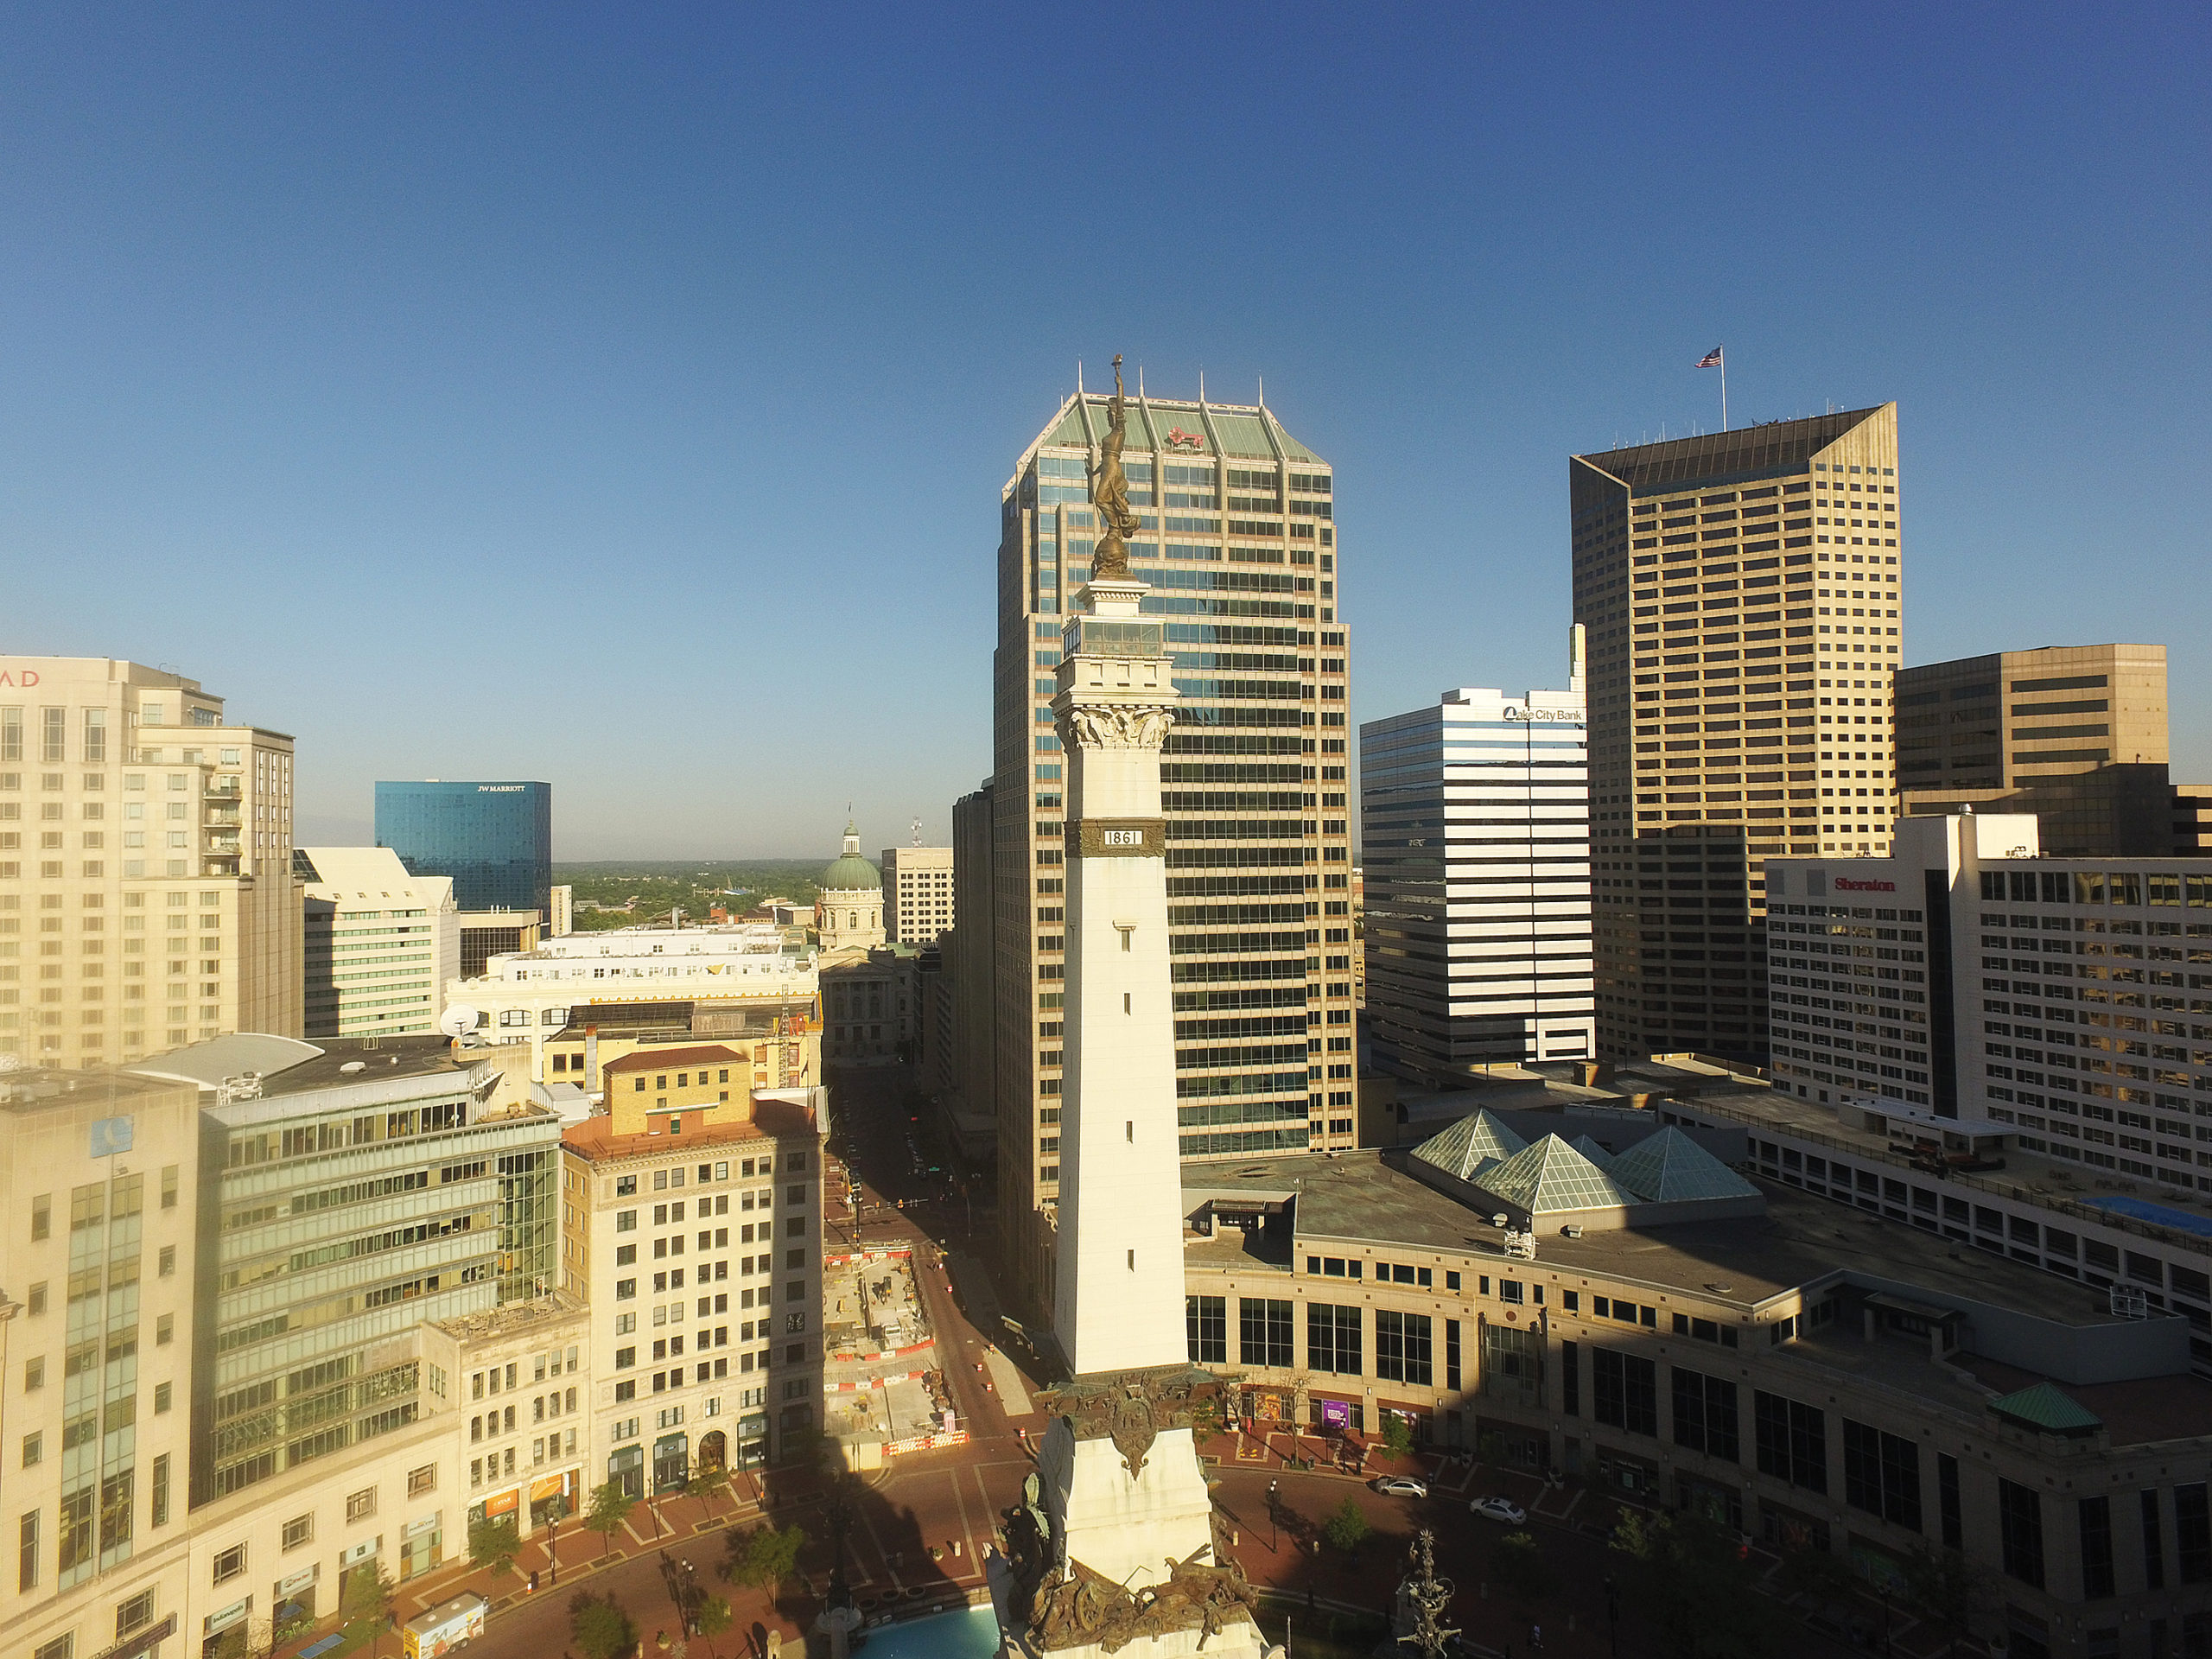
(1499, 1509)
(1401, 1486)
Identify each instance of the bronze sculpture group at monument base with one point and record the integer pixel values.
(1078, 1607)
(1131, 1408)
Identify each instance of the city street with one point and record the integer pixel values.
(917, 1533)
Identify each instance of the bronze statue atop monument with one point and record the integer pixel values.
(1109, 490)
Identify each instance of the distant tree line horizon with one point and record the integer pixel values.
(624, 893)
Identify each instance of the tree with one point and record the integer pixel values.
(1807, 1571)
(495, 1544)
(1945, 1588)
(368, 1595)
(1346, 1528)
(610, 1508)
(707, 1479)
(713, 1618)
(1397, 1435)
(1698, 1581)
(599, 1626)
(762, 1558)
(1521, 1568)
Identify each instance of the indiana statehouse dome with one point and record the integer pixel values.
(848, 871)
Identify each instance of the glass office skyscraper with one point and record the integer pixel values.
(494, 840)
(1238, 545)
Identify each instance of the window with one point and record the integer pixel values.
(161, 1398)
(1792, 1441)
(2154, 1548)
(300, 1529)
(168, 1261)
(1881, 1474)
(2019, 1516)
(2093, 1519)
(1264, 1333)
(1946, 1499)
(229, 1563)
(160, 1513)
(61, 1648)
(422, 1480)
(1332, 1339)
(1624, 1391)
(1206, 1327)
(34, 1449)
(27, 1552)
(2193, 1533)
(1570, 1377)
(360, 1505)
(134, 1614)
(1402, 1347)
(1705, 1414)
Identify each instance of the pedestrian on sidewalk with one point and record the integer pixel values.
(1536, 1638)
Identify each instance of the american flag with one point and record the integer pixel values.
(1711, 359)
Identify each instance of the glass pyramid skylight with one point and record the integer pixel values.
(1670, 1167)
(1470, 1145)
(1551, 1176)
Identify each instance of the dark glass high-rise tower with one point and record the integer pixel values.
(494, 840)
(1238, 546)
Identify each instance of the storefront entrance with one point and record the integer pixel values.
(627, 1469)
(671, 1463)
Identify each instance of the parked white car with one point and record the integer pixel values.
(1499, 1509)
(1401, 1486)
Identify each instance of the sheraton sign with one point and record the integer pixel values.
(1848, 884)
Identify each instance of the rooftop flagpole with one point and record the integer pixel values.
(1717, 359)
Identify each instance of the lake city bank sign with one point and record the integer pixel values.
(1564, 717)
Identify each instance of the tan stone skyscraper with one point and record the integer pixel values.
(1741, 594)
(147, 898)
(2074, 735)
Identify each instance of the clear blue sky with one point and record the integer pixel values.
(621, 396)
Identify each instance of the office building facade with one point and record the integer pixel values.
(692, 1231)
(354, 1192)
(2075, 735)
(101, 1253)
(918, 907)
(146, 891)
(1788, 1374)
(1741, 592)
(2059, 1009)
(157, 1251)
(1238, 546)
(739, 980)
(380, 944)
(1475, 827)
(494, 840)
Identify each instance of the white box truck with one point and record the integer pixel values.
(438, 1630)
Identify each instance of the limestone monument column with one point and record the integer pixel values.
(1116, 1541)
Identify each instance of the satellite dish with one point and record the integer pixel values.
(459, 1020)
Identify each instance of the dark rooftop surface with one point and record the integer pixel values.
(2138, 1413)
(1772, 447)
(288, 1067)
(1359, 1199)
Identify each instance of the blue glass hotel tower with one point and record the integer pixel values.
(495, 840)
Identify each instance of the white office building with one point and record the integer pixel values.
(381, 944)
(916, 894)
(1475, 818)
(2006, 1050)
